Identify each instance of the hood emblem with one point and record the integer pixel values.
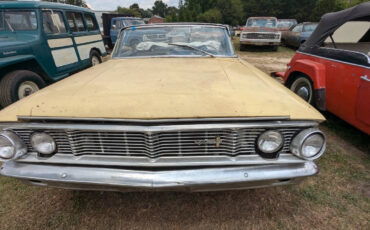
(217, 141)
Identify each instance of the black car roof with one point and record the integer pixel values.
(332, 21)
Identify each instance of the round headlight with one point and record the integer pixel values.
(312, 145)
(309, 144)
(43, 143)
(11, 146)
(7, 149)
(270, 142)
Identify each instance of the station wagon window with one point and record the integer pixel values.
(20, 20)
(1, 21)
(53, 22)
(75, 22)
(90, 22)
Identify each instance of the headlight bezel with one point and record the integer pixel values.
(19, 146)
(298, 141)
(270, 154)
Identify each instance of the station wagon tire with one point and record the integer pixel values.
(95, 58)
(19, 84)
(303, 87)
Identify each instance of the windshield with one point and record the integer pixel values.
(20, 20)
(309, 28)
(266, 23)
(286, 23)
(174, 40)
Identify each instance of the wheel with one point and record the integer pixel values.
(242, 47)
(303, 87)
(19, 84)
(95, 58)
(275, 48)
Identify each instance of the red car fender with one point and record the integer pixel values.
(315, 71)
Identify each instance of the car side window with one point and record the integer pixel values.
(1, 21)
(75, 22)
(298, 28)
(91, 22)
(18, 20)
(351, 36)
(53, 22)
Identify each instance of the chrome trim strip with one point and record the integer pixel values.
(330, 59)
(159, 128)
(146, 121)
(178, 161)
(185, 179)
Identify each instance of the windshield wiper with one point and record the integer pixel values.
(192, 48)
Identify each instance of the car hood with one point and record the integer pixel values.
(158, 88)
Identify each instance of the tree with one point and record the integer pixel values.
(213, 15)
(231, 10)
(160, 8)
(128, 11)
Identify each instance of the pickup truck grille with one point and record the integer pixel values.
(261, 36)
(229, 142)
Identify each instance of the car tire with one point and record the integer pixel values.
(303, 87)
(275, 48)
(95, 58)
(19, 84)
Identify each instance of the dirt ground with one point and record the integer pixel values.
(337, 198)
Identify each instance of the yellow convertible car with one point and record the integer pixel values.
(174, 109)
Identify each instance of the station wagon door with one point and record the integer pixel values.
(60, 42)
(84, 38)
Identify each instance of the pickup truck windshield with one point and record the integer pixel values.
(174, 40)
(131, 22)
(266, 23)
(20, 20)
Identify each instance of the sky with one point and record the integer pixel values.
(112, 4)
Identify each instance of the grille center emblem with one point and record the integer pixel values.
(217, 141)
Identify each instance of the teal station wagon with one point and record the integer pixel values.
(43, 42)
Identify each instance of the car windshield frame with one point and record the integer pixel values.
(198, 53)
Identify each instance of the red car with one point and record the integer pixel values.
(331, 70)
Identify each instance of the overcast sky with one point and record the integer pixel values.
(112, 4)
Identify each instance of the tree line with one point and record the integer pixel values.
(234, 12)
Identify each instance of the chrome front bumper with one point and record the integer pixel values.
(193, 180)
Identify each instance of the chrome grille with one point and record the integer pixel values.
(261, 36)
(229, 142)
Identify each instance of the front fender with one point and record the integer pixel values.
(7, 61)
(314, 70)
